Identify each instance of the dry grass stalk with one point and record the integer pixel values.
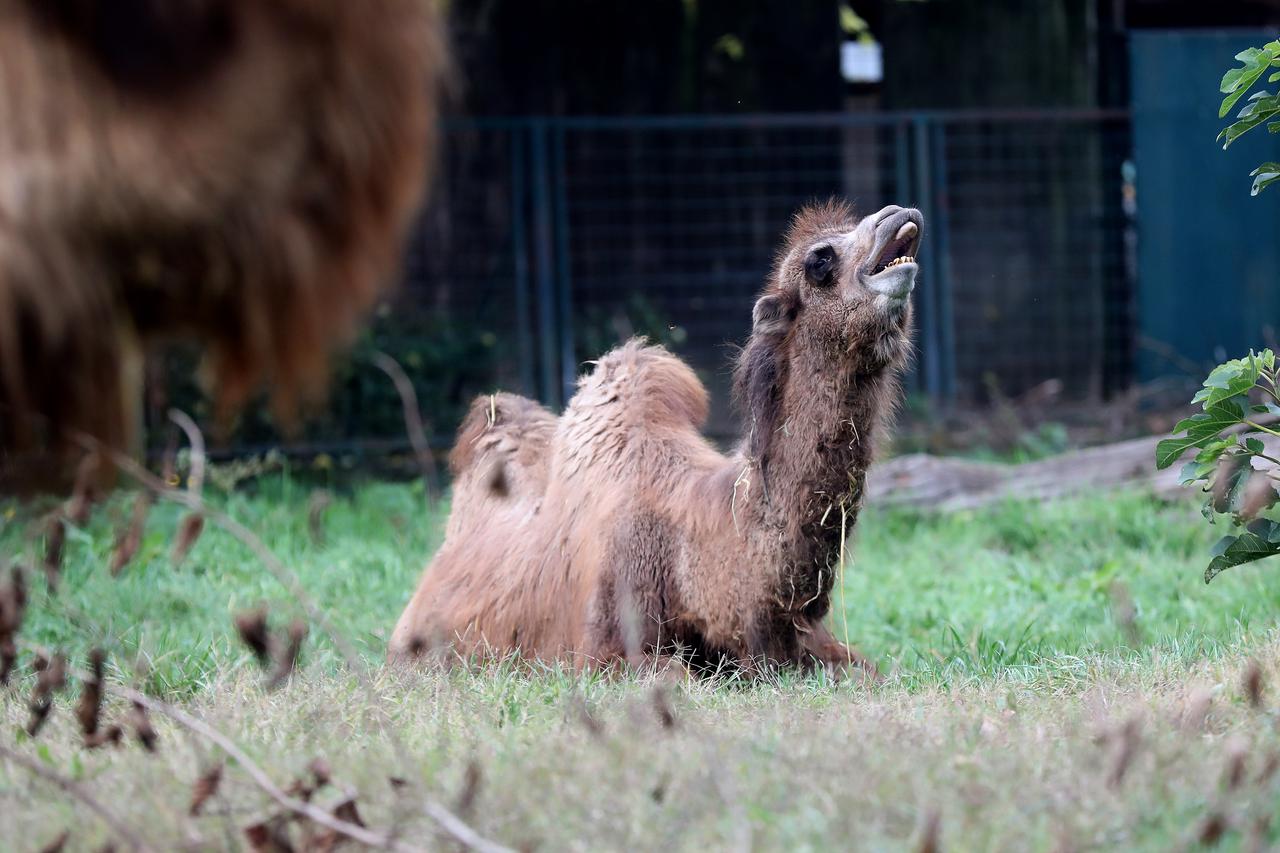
(129, 540)
(453, 825)
(1251, 682)
(321, 772)
(662, 707)
(191, 526)
(317, 504)
(142, 728)
(329, 840)
(251, 625)
(51, 676)
(1125, 613)
(122, 830)
(13, 606)
(471, 783)
(413, 425)
(930, 832)
(1196, 710)
(247, 537)
(89, 708)
(195, 476)
(1269, 768)
(287, 656)
(585, 716)
(269, 836)
(58, 843)
(55, 539)
(1127, 740)
(1233, 773)
(1211, 829)
(84, 491)
(188, 532)
(260, 778)
(111, 735)
(1257, 839)
(204, 789)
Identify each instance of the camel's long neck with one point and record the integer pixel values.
(818, 458)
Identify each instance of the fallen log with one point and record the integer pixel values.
(947, 483)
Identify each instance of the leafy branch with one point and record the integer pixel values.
(1224, 435)
(1262, 106)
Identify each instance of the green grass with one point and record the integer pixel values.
(997, 629)
(932, 597)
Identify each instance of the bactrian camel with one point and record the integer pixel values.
(616, 531)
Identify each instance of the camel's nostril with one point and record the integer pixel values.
(886, 212)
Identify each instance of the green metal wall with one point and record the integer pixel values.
(1208, 254)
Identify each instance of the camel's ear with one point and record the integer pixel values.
(762, 370)
(771, 316)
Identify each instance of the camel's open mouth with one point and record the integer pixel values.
(900, 249)
(891, 268)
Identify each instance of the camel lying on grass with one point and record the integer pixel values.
(617, 532)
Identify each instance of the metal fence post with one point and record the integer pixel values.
(924, 196)
(544, 263)
(564, 278)
(902, 194)
(520, 260)
(940, 266)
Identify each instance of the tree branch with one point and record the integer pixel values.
(118, 826)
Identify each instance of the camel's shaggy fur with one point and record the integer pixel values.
(239, 172)
(617, 530)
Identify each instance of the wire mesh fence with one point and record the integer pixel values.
(546, 241)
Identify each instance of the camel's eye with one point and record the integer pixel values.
(819, 265)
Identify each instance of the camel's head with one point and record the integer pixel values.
(846, 284)
(839, 300)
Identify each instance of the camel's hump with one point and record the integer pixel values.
(506, 429)
(642, 384)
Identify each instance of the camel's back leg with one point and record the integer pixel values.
(822, 648)
(631, 610)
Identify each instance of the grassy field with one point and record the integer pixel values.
(1024, 707)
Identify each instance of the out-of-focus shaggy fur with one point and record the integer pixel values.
(239, 172)
(617, 530)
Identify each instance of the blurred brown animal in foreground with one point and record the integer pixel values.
(236, 172)
(616, 531)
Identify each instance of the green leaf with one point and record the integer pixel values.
(1261, 540)
(1237, 81)
(1201, 429)
(1194, 471)
(1254, 445)
(1262, 180)
(1230, 379)
(1250, 117)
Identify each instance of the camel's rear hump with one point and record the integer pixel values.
(502, 447)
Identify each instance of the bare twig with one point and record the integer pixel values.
(118, 826)
(191, 526)
(195, 479)
(282, 573)
(462, 833)
(447, 820)
(412, 419)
